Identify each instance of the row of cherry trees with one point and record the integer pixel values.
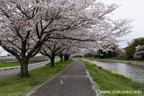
(52, 26)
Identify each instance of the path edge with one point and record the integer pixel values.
(35, 89)
(94, 85)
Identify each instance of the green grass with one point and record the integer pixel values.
(10, 64)
(110, 81)
(16, 86)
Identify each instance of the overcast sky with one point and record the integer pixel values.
(131, 9)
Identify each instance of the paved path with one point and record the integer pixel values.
(72, 81)
(5, 74)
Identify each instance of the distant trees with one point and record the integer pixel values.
(131, 48)
(121, 54)
(135, 49)
(88, 55)
(139, 54)
(107, 51)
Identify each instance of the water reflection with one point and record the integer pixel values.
(132, 71)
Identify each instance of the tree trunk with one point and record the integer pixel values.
(66, 57)
(24, 69)
(61, 58)
(52, 61)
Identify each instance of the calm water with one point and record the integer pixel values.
(132, 71)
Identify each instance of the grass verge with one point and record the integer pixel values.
(111, 83)
(16, 86)
(2, 65)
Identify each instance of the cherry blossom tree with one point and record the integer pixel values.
(52, 49)
(72, 51)
(139, 52)
(62, 47)
(25, 25)
(107, 51)
(61, 56)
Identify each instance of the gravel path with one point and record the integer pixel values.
(72, 81)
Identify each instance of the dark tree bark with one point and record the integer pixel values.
(66, 57)
(24, 69)
(52, 61)
(61, 57)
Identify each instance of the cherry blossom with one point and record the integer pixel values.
(25, 25)
(139, 52)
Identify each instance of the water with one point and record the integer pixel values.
(131, 71)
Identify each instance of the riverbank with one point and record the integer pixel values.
(16, 86)
(113, 83)
(139, 63)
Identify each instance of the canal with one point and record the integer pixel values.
(131, 71)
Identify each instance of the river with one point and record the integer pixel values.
(134, 72)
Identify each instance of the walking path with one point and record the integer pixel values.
(72, 81)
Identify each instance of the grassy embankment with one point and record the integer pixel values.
(113, 81)
(10, 64)
(3, 65)
(16, 86)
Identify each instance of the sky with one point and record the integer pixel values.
(131, 9)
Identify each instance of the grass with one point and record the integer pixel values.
(16, 86)
(112, 81)
(2, 65)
